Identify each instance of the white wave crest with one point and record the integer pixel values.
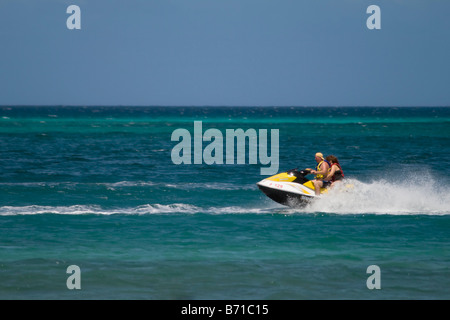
(139, 210)
(35, 209)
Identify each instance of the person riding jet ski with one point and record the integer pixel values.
(321, 172)
(292, 188)
(336, 173)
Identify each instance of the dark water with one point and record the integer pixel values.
(97, 187)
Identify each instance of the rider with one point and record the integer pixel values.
(322, 169)
(336, 173)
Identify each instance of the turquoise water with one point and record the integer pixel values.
(96, 187)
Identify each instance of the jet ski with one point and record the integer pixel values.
(290, 188)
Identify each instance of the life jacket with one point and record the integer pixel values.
(320, 176)
(338, 175)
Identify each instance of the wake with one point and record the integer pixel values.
(411, 196)
(147, 209)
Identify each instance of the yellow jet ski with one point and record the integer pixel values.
(290, 188)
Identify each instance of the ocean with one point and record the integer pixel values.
(94, 206)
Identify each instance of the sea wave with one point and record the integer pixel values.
(175, 208)
(131, 184)
(411, 195)
(183, 185)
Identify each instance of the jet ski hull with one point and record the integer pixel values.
(289, 188)
(286, 198)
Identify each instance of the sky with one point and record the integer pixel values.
(225, 53)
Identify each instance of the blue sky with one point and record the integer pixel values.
(225, 53)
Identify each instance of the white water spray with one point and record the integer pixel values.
(407, 196)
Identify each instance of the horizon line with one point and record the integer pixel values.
(222, 106)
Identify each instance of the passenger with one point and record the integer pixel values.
(322, 169)
(336, 173)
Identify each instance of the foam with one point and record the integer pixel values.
(177, 208)
(409, 196)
